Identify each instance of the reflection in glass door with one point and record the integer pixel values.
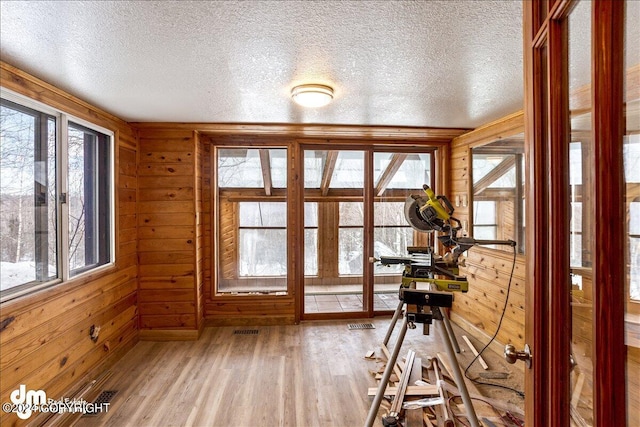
(631, 154)
(581, 189)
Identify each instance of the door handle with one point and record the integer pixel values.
(511, 355)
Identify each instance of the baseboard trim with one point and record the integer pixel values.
(170, 334)
(249, 321)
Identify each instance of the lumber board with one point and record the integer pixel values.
(396, 368)
(475, 352)
(413, 417)
(577, 390)
(396, 406)
(412, 390)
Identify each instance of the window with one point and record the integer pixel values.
(252, 220)
(579, 256)
(310, 238)
(498, 177)
(632, 176)
(484, 221)
(350, 238)
(55, 208)
(88, 198)
(263, 239)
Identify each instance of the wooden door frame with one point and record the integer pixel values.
(548, 311)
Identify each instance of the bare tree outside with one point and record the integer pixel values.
(27, 186)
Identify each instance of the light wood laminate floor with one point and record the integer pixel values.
(312, 374)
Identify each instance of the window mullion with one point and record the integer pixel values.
(63, 211)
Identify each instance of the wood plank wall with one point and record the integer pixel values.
(487, 270)
(44, 337)
(169, 228)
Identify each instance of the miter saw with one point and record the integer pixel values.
(425, 213)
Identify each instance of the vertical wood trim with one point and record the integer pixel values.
(609, 394)
(197, 221)
(558, 222)
(535, 188)
(440, 182)
(469, 189)
(368, 240)
(443, 175)
(137, 214)
(295, 227)
(213, 217)
(517, 207)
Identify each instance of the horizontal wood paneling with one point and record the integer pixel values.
(177, 232)
(487, 270)
(167, 234)
(164, 194)
(45, 343)
(250, 310)
(167, 283)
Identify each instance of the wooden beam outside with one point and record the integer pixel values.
(500, 169)
(327, 172)
(265, 164)
(385, 178)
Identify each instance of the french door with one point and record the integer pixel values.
(354, 211)
(581, 110)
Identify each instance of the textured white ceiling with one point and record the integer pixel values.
(452, 63)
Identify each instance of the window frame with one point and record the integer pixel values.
(62, 119)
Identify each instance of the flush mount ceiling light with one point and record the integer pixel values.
(312, 95)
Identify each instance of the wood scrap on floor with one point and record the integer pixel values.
(413, 417)
(412, 390)
(577, 390)
(475, 352)
(446, 419)
(405, 391)
(442, 394)
(491, 375)
(396, 367)
(393, 416)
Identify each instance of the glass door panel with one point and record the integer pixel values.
(580, 211)
(334, 231)
(395, 176)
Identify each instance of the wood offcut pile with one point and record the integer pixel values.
(430, 396)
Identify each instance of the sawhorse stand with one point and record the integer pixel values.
(422, 299)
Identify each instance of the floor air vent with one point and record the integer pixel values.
(104, 397)
(246, 332)
(361, 326)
